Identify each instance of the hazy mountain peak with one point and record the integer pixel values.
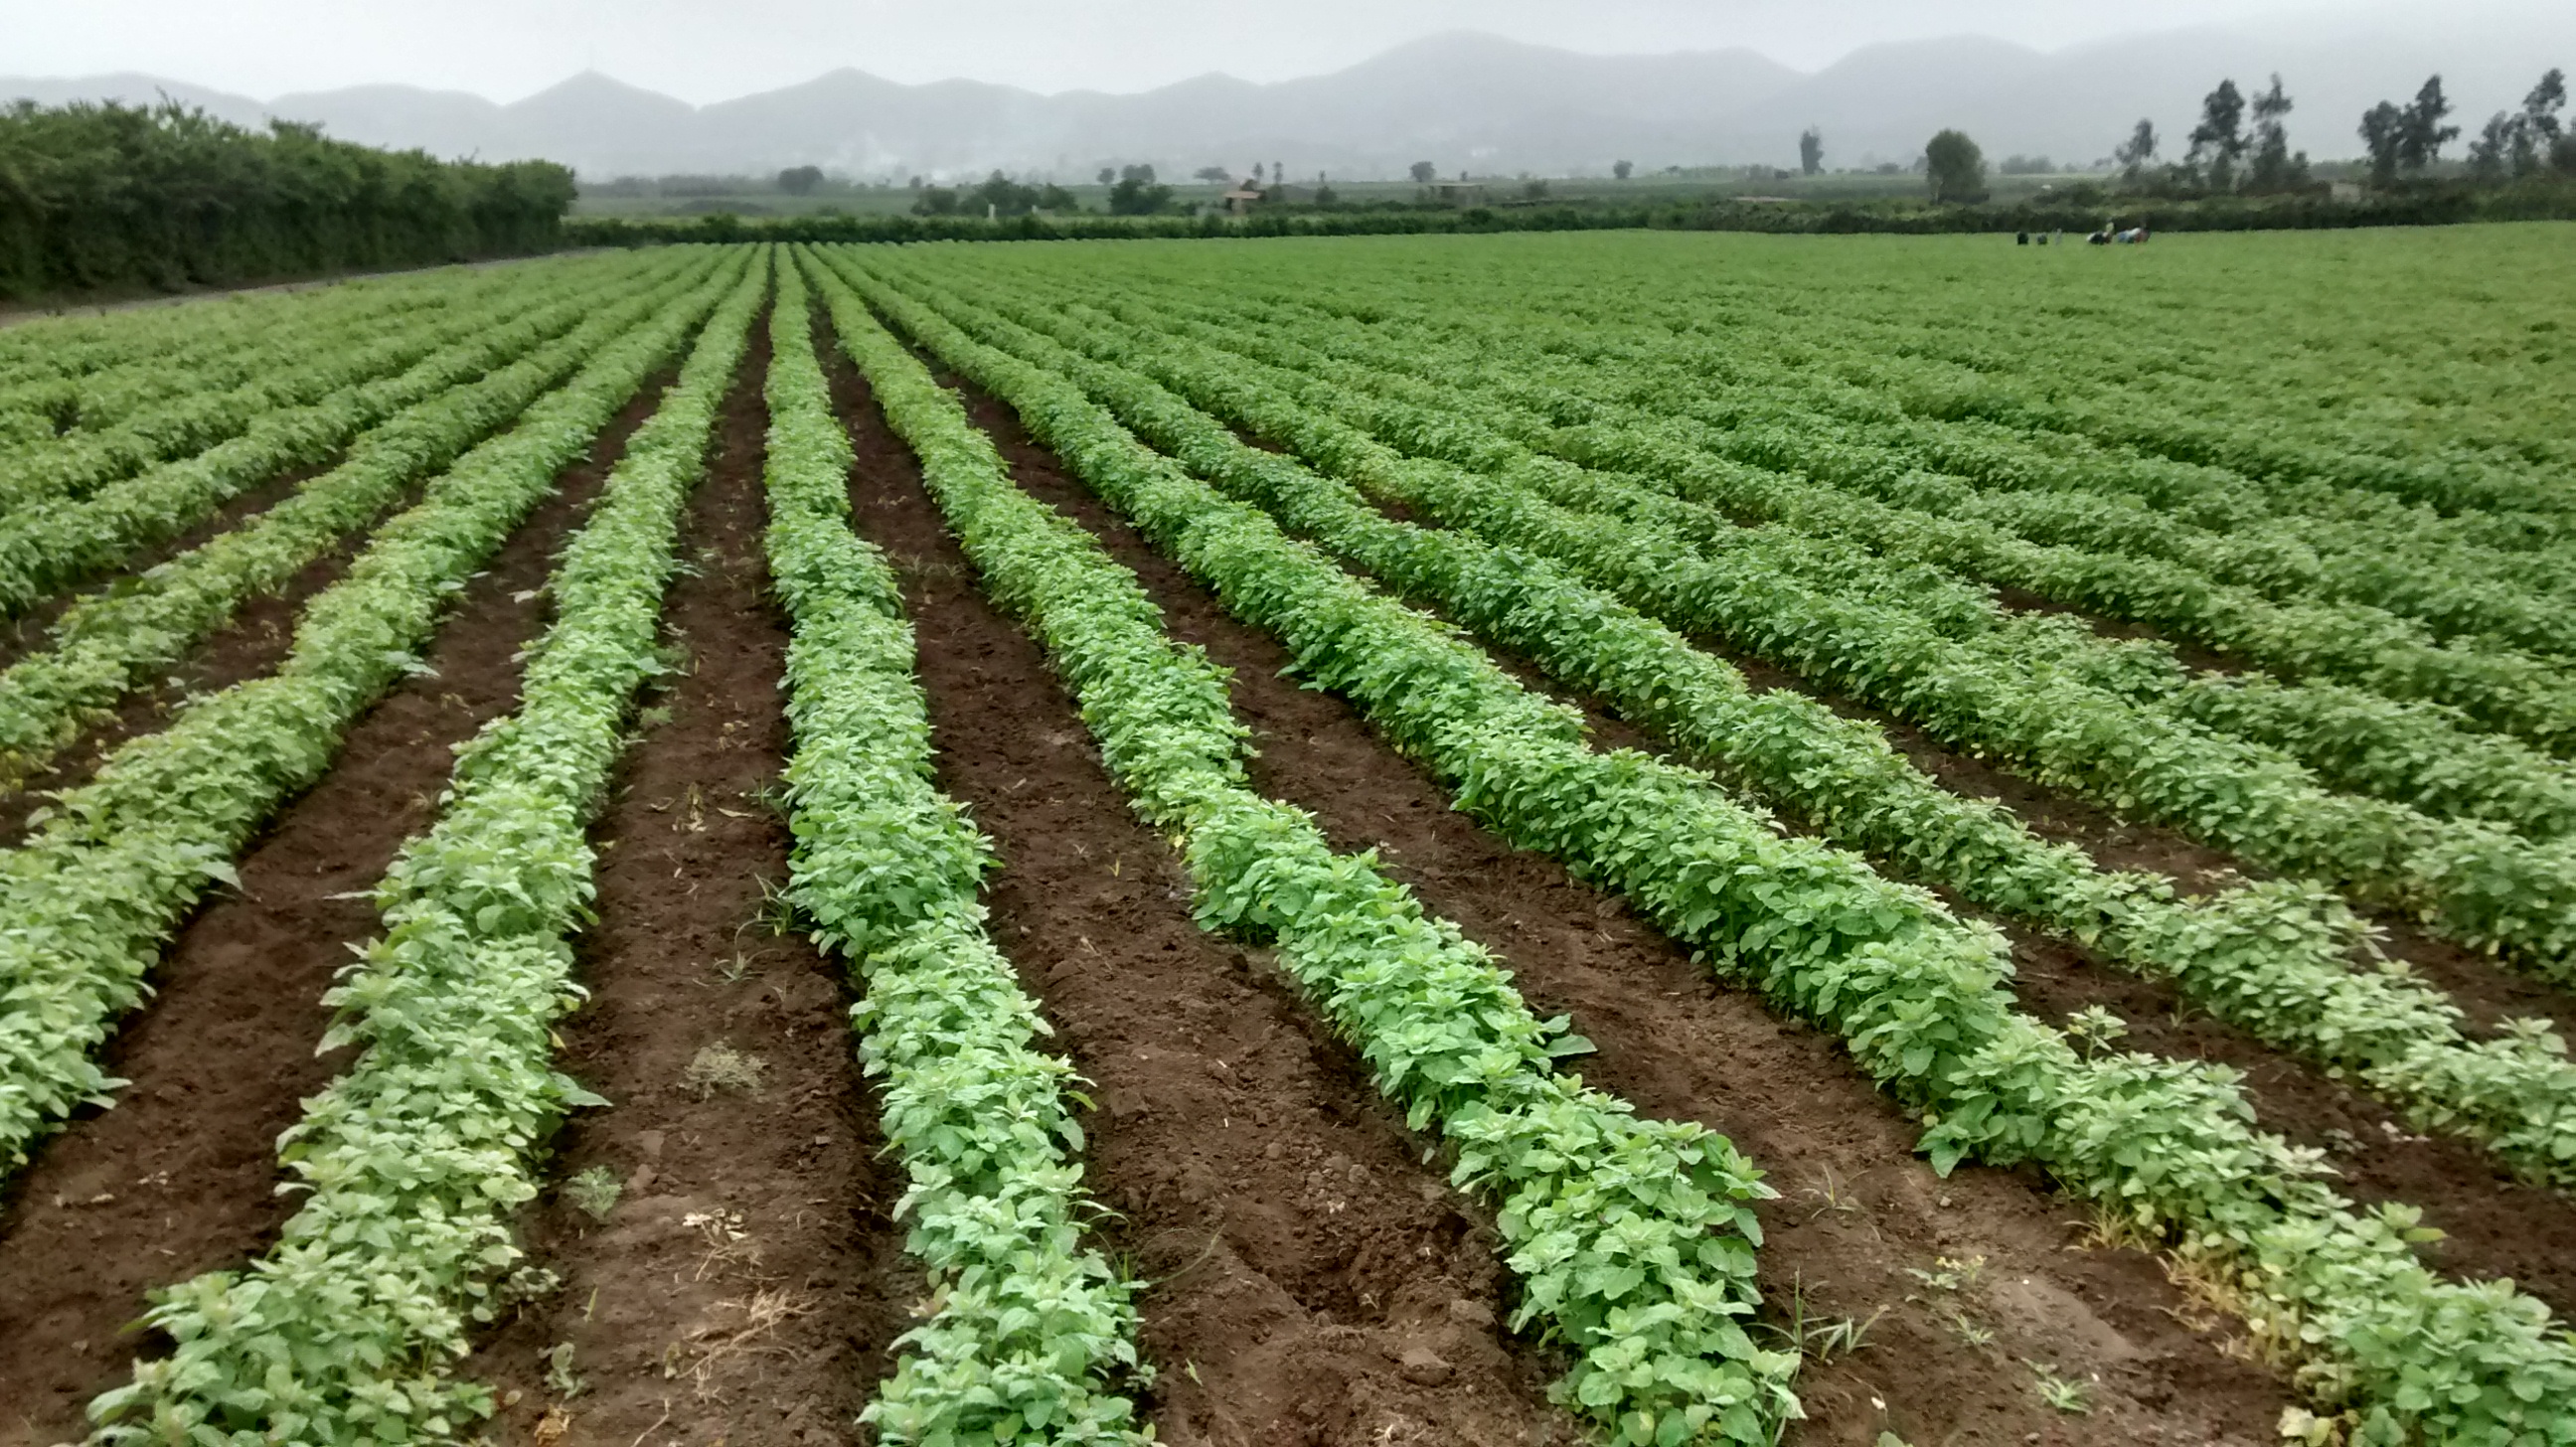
(1459, 99)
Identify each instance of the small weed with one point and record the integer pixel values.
(1950, 1273)
(594, 1192)
(721, 1067)
(559, 1373)
(2071, 1397)
(777, 912)
(1823, 1338)
(1833, 1196)
(735, 970)
(528, 1283)
(1890, 1439)
(1967, 1329)
(654, 717)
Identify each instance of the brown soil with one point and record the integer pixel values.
(749, 1281)
(177, 1178)
(1859, 1215)
(1297, 1245)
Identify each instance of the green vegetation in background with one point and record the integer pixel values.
(113, 196)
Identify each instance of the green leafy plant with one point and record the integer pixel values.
(411, 1169)
(594, 1192)
(1634, 1238)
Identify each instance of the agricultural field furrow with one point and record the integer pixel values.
(1843, 618)
(2422, 755)
(46, 549)
(105, 875)
(334, 356)
(101, 646)
(1637, 837)
(2277, 961)
(1635, 1239)
(1929, 510)
(414, 1158)
(1939, 1032)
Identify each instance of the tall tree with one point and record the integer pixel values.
(2536, 130)
(2500, 139)
(1423, 171)
(1623, 169)
(2273, 168)
(2422, 136)
(2135, 152)
(2383, 136)
(1811, 150)
(1955, 167)
(2219, 139)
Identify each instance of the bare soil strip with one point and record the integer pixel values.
(749, 1280)
(177, 1179)
(1965, 1282)
(1314, 1280)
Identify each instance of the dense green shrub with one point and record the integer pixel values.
(111, 195)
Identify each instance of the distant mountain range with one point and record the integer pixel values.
(1461, 101)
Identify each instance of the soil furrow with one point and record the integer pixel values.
(1313, 1280)
(177, 1178)
(1861, 1224)
(748, 1281)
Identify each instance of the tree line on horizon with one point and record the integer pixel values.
(102, 195)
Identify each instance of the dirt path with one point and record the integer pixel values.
(747, 1284)
(1314, 1282)
(1860, 1217)
(177, 1178)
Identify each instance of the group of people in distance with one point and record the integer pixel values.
(2105, 237)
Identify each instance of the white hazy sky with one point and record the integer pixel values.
(706, 50)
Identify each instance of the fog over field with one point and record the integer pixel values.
(1359, 91)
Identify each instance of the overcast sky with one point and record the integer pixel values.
(706, 50)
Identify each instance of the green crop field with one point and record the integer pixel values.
(1627, 837)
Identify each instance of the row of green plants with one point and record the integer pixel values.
(106, 644)
(230, 346)
(113, 866)
(1033, 1335)
(2035, 694)
(413, 1162)
(2288, 540)
(41, 354)
(2427, 755)
(47, 548)
(1634, 1240)
(2109, 363)
(2273, 959)
(206, 402)
(2166, 1147)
